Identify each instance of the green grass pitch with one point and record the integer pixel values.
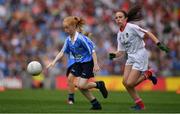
(54, 101)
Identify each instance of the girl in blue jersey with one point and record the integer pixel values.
(70, 79)
(83, 51)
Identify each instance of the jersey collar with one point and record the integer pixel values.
(75, 37)
(122, 29)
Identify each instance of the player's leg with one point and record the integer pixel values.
(130, 86)
(71, 88)
(87, 72)
(94, 102)
(82, 85)
(127, 70)
(148, 74)
(77, 70)
(131, 90)
(141, 64)
(98, 84)
(72, 72)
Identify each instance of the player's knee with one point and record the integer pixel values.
(129, 84)
(82, 86)
(69, 80)
(70, 84)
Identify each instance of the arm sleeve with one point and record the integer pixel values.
(120, 47)
(88, 44)
(65, 47)
(139, 31)
(91, 44)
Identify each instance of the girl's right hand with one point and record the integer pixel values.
(50, 65)
(112, 56)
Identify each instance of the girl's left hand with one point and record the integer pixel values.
(163, 47)
(96, 68)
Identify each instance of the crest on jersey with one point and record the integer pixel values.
(127, 35)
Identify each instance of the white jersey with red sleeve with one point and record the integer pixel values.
(131, 41)
(131, 38)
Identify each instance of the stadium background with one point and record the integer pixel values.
(32, 30)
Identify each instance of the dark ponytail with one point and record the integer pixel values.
(135, 14)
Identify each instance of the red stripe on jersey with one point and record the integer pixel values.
(122, 29)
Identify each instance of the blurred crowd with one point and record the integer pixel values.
(32, 30)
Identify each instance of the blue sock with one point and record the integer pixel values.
(95, 103)
(71, 96)
(98, 84)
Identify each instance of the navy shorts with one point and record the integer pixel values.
(69, 70)
(83, 70)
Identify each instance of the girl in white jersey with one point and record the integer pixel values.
(130, 40)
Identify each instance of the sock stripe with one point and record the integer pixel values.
(138, 100)
(147, 74)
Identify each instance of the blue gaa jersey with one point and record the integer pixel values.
(70, 60)
(80, 49)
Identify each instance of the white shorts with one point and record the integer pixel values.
(138, 60)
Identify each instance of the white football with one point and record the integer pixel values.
(34, 68)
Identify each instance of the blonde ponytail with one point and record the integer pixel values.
(88, 34)
(79, 26)
(79, 23)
